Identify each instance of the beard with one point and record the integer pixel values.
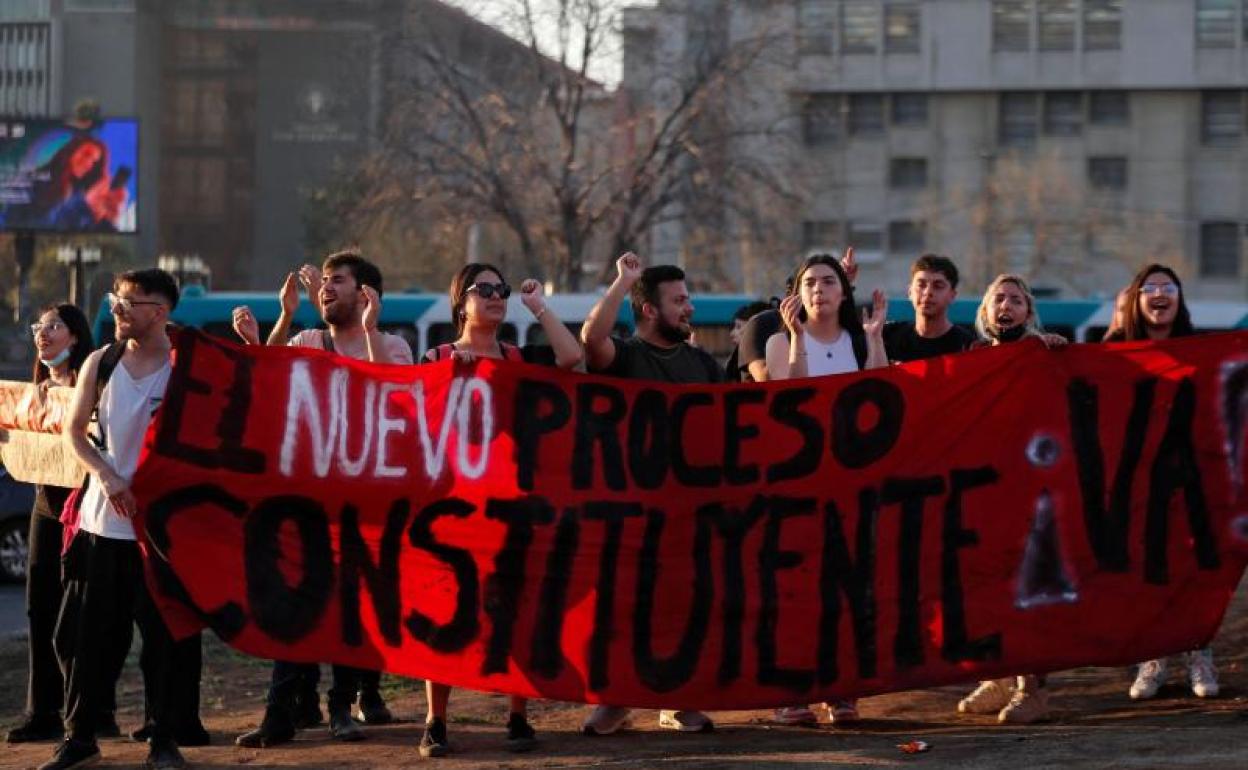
(338, 313)
(673, 333)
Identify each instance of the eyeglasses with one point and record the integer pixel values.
(488, 290)
(1168, 289)
(125, 304)
(51, 326)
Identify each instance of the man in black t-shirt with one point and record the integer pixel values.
(933, 288)
(658, 350)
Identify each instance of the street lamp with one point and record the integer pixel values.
(76, 258)
(185, 267)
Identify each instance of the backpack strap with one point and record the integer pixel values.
(511, 352)
(108, 363)
(327, 341)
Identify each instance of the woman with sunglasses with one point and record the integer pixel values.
(62, 338)
(1154, 309)
(478, 308)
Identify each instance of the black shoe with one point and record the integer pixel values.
(343, 728)
(141, 734)
(273, 730)
(72, 753)
(307, 713)
(520, 734)
(106, 726)
(193, 735)
(37, 727)
(164, 755)
(433, 743)
(371, 709)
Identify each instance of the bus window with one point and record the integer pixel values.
(407, 332)
(222, 329)
(536, 335)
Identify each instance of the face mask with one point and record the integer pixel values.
(59, 359)
(1012, 334)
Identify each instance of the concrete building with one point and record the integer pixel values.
(1067, 139)
(244, 105)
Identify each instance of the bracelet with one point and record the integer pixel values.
(538, 315)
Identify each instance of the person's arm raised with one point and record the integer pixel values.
(289, 297)
(596, 333)
(568, 352)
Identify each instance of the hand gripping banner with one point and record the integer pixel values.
(519, 529)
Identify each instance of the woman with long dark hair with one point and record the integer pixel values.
(62, 337)
(1155, 309)
(823, 333)
(479, 297)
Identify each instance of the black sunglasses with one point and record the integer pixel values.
(488, 290)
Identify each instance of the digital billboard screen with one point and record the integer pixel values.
(62, 177)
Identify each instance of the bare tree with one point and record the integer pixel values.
(511, 134)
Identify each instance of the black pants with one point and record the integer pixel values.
(292, 679)
(45, 690)
(104, 595)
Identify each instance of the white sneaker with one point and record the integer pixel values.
(1025, 707)
(990, 697)
(1150, 676)
(604, 720)
(686, 721)
(1202, 674)
(795, 715)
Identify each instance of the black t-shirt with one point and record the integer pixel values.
(49, 500)
(754, 338)
(903, 342)
(636, 359)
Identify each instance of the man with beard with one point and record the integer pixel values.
(348, 292)
(658, 350)
(933, 288)
(102, 570)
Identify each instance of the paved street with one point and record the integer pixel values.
(12, 610)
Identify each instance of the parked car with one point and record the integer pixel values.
(16, 499)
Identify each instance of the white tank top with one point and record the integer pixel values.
(836, 357)
(126, 409)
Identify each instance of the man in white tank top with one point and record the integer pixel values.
(104, 588)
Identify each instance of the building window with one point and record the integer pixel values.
(906, 238)
(1057, 25)
(866, 114)
(1219, 249)
(860, 26)
(1108, 108)
(1017, 121)
(25, 70)
(821, 235)
(1102, 25)
(1107, 173)
(907, 173)
(816, 26)
(821, 119)
(867, 238)
(1063, 113)
(1215, 23)
(909, 109)
(901, 27)
(1011, 25)
(1221, 117)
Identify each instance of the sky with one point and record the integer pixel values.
(605, 66)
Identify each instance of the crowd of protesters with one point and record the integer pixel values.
(85, 589)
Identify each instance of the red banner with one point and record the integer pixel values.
(519, 529)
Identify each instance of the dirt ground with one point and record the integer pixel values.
(1095, 725)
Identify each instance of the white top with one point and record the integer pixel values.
(126, 408)
(396, 347)
(836, 357)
